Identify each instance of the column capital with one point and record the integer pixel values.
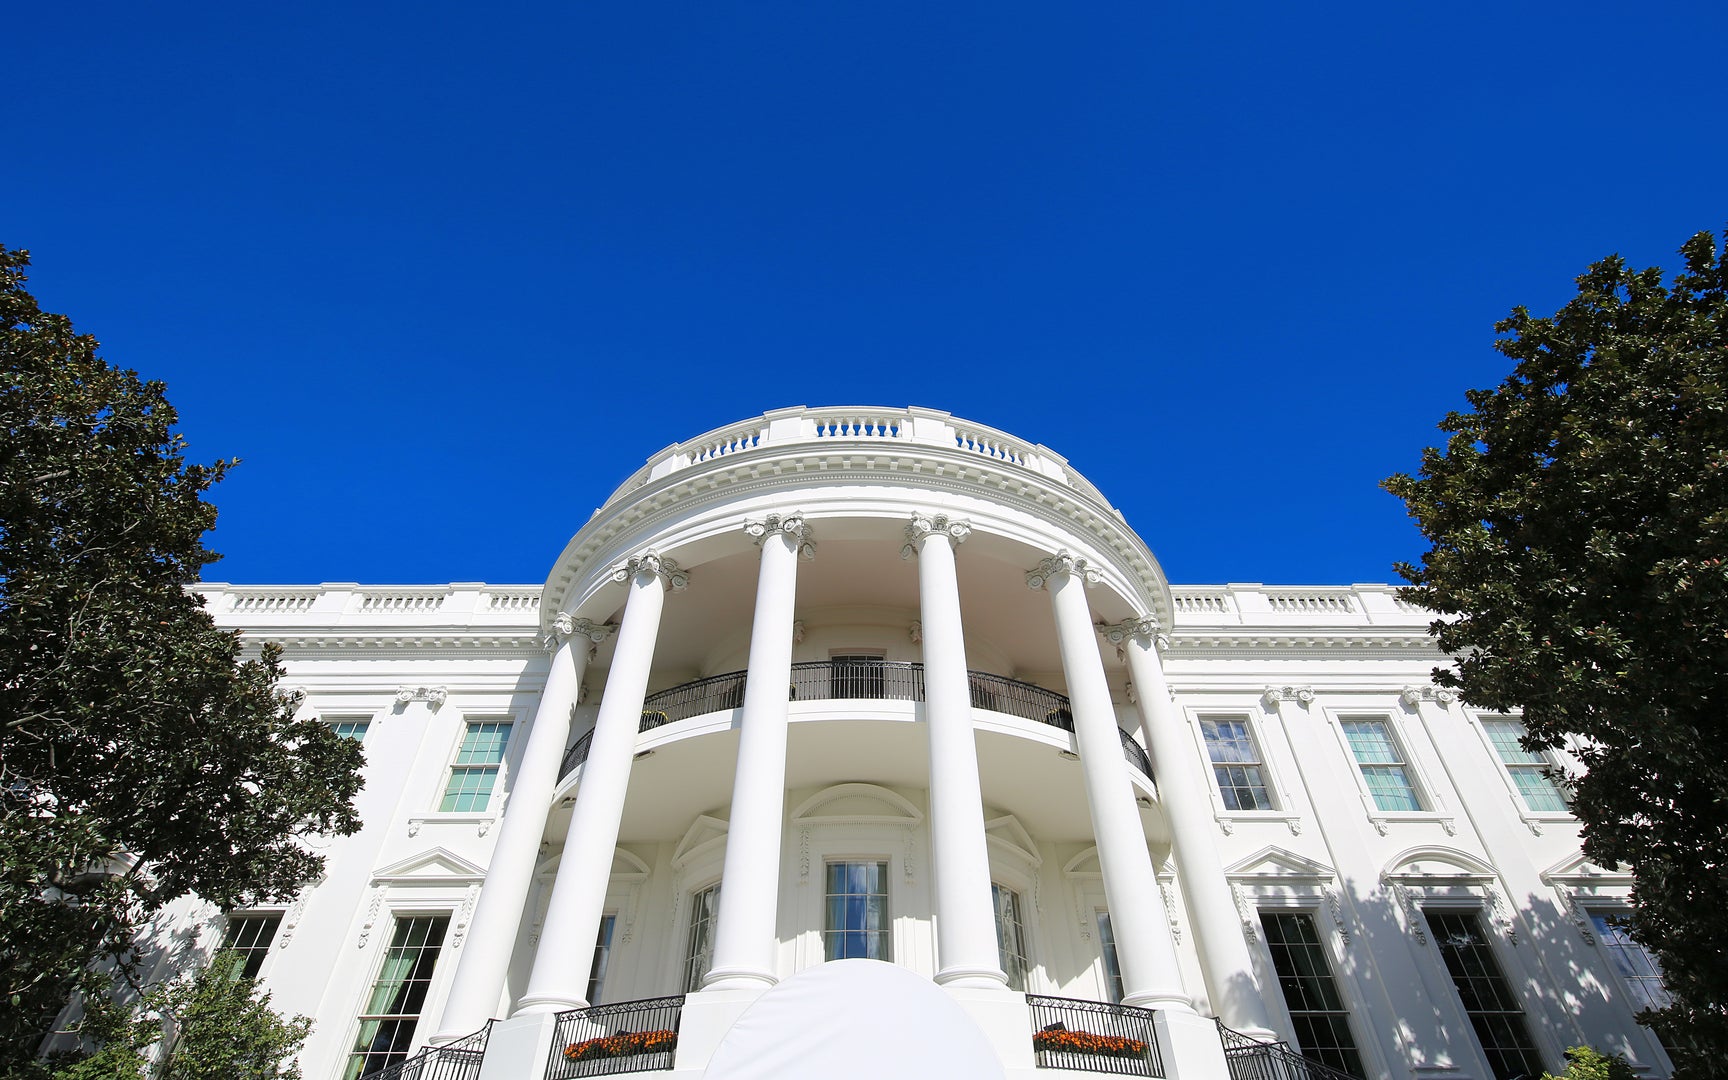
(1063, 562)
(1302, 695)
(922, 525)
(566, 627)
(651, 562)
(790, 524)
(1144, 626)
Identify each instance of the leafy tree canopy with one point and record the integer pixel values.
(141, 759)
(1579, 522)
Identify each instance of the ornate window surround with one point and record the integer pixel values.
(1426, 789)
(697, 862)
(1014, 865)
(1534, 820)
(855, 823)
(481, 820)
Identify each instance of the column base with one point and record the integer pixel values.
(737, 979)
(973, 978)
(1161, 999)
(547, 1003)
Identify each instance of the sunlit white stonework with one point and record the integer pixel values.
(909, 688)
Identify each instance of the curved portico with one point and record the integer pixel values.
(697, 578)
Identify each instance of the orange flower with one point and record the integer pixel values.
(1086, 1042)
(623, 1044)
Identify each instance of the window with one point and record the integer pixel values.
(349, 728)
(1493, 1010)
(699, 959)
(1236, 764)
(857, 916)
(1382, 764)
(1529, 771)
(1310, 992)
(392, 1010)
(1636, 967)
(476, 768)
(855, 676)
(250, 936)
(1010, 936)
(602, 953)
(1107, 949)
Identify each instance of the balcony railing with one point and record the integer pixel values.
(630, 1036)
(1093, 1036)
(870, 680)
(1251, 1059)
(459, 1060)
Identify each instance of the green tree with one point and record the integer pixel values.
(141, 759)
(1586, 1063)
(1579, 520)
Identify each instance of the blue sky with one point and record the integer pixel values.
(443, 275)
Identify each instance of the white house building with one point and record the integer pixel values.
(860, 739)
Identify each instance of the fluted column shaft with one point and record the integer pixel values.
(1186, 802)
(1144, 950)
(560, 977)
(745, 940)
(966, 953)
(485, 962)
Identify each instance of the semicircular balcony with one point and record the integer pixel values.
(843, 681)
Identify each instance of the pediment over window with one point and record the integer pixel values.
(1575, 869)
(857, 804)
(704, 835)
(628, 866)
(1273, 861)
(1007, 834)
(1084, 865)
(433, 866)
(1437, 864)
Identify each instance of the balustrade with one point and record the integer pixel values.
(1093, 1036)
(458, 1060)
(629, 1036)
(1251, 1059)
(853, 680)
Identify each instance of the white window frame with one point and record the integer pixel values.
(1329, 927)
(273, 950)
(1481, 899)
(437, 989)
(1283, 805)
(896, 836)
(334, 718)
(1533, 819)
(1427, 793)
(683, 940)
(484, 818)
(1014, 865)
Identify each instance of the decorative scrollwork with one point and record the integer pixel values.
(790, 524)
(651, 562)
(1063, 562)
(433, 695)
(566, 627)
(923, 525)
(1302, 695)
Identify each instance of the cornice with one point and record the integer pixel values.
(738, 476)
(314, 642)
(1344, 643)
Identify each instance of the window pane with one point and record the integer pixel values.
(1528, 770)
(699, 957)
(1634, 965)
(1107, 952)
(1316, 1008)
(250, 936)
(602, 954)
(1486, 996)
(856, 922)
(476, 768)
(350, 729)
(1383, 767)
(1010, 936)
(1236, 764)
(393, 1008)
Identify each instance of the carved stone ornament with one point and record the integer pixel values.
(1145, 626)
(1412, 912)
(1336, 906)
(651, 562)
(1063, 562)
(1170, 911)
(566, 627)
(433, 695)
(1245, 909)
(1302, 695)
(1440, 695)
(923, 525)
(293, 695)
(790, 524)
(797, 630)
(916, 631)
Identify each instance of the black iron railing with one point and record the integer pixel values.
(630, 1036)
(1251, 1059)
(871, 680)
(1135, 755)
(458, 1060)
(1093, 1036)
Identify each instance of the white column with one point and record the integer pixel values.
(1146, 954)
(560, 976)
(480, 974)
(966, 953)
(745, 939)
(1186, 800)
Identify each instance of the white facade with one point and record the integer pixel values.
(974, 758)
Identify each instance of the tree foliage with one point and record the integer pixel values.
(1579, 522)
(141, 759)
